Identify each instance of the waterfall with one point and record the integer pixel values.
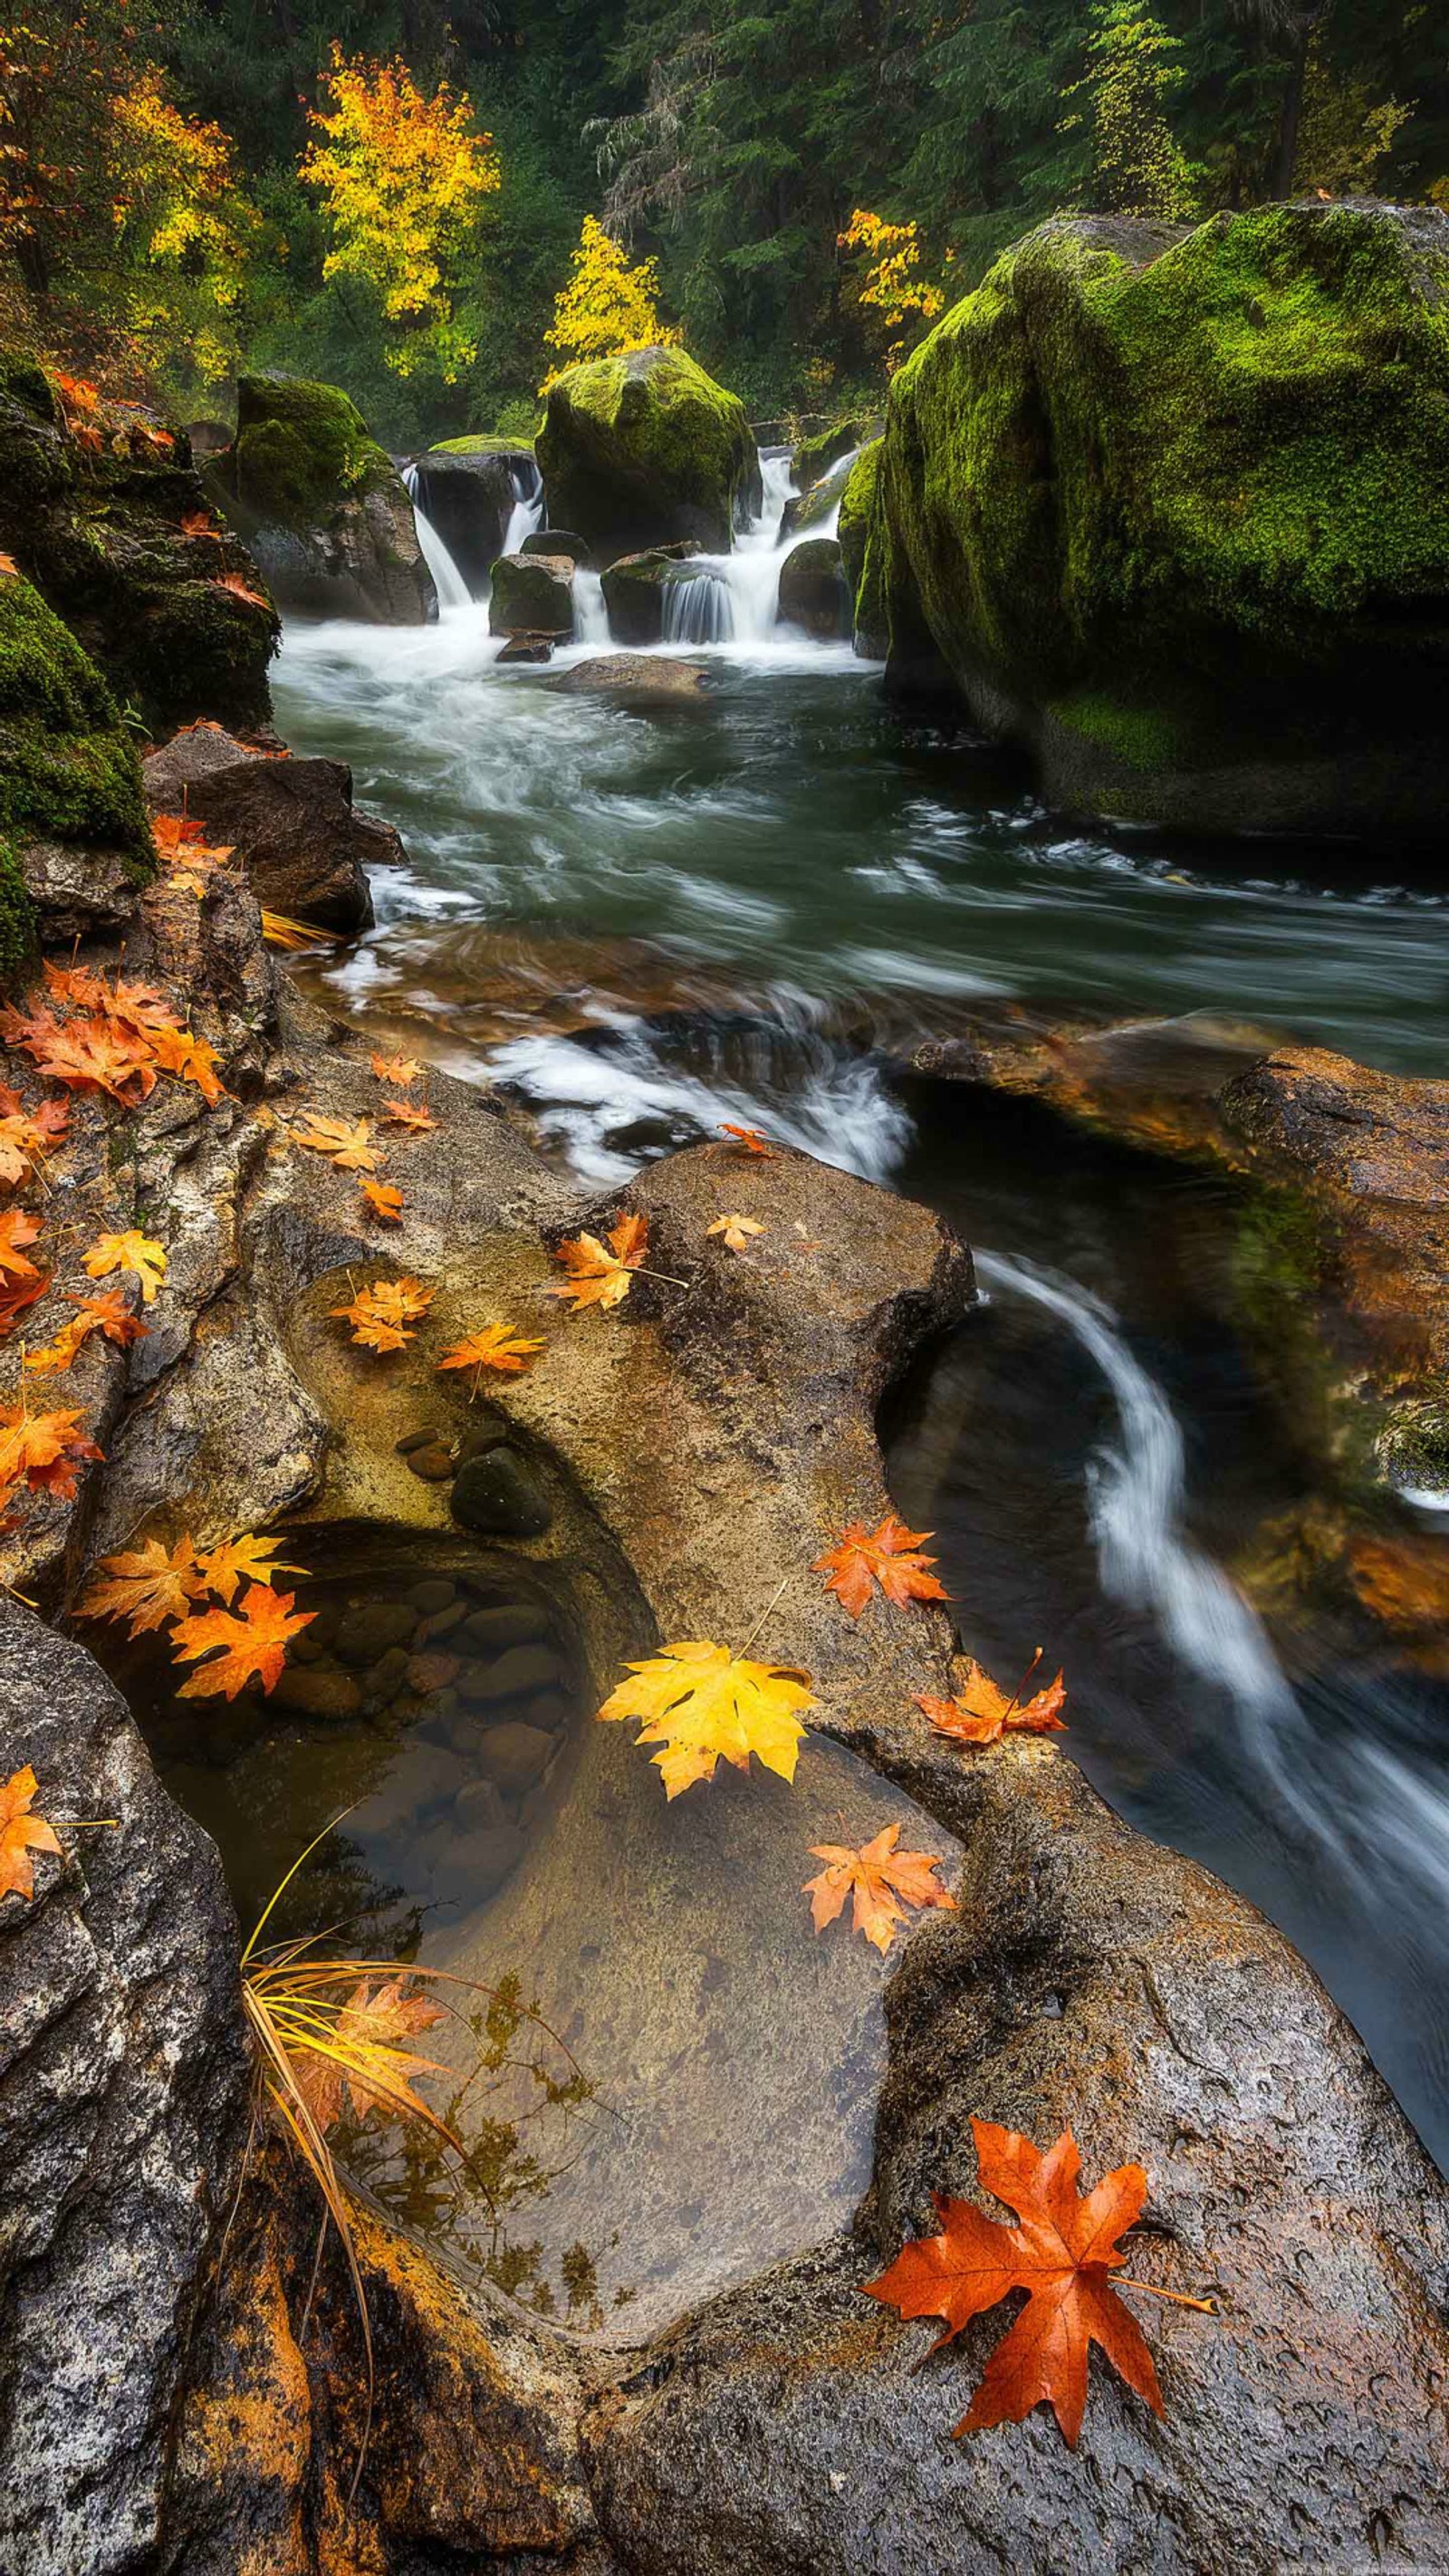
(527, 510)
(452, 589)
(734, 598)
(698, 606)
(591, 617)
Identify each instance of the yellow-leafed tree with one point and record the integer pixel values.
(401, 178)
(607, 307)
(892, 285)
(180, 206)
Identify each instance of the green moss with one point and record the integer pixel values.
(815, 456)
(1413, 1446)
(1217, 454)
(17, 914)
(299, 450)
(480, 445)
(853, 525)
(645, 449)
(1139, 737)
(69, 771)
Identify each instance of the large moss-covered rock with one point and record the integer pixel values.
(103, 509)
(468, 488)
(1172, 506)
(641, 450)
(857, 507)
(322, 506)
(814, 456)
(634, 589)
(72, 821)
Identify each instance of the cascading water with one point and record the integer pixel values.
(591, 617)
(526, 515)
(452, 589)
(734, 598)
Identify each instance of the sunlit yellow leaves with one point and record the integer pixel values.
(145, 1586)
(607, 307)
(133, 1253)
(493, 1346)
(737, 1230)
(345, 1140)
(385, 1202)
(358, 2052)
(400, 176)
(700, 1704)
(600, 1274)
(399, 1072)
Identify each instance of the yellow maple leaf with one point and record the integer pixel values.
(346, 1143)
(700, 1704)
(601, 1273)
(22, 1833)
(152, 1584)
(244, 1559)
(736, 1230)
(132, 1252)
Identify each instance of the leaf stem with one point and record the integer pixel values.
(764, 1615)
(1179, 2299)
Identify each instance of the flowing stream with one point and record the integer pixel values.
(646, 924)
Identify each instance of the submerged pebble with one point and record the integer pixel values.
(499, 1496)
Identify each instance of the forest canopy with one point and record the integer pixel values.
(431, 206)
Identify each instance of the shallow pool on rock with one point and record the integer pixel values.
(665, 2078)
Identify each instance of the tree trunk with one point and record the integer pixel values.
(1291, 116)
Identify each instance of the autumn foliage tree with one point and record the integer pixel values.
(401, 177)
(607, 307)
(893, 286)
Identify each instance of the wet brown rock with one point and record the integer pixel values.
(514, 1755)
(515, 1673)
(432, 1462)
(300, 841)
(636, 680)
(506, 1623)
(314, 1692)
(368, 1629)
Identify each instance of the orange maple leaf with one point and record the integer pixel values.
(179, 1051)
(882, 1881)
(599, 1276)
(22, 1833)
(400, 1113)
(360, 2053)
(91, 1054)
(1060, 2254)
(242, 1560)
(233, 583)
(132, 1252)
(146, 1587)
(398, 1070)
(109, 1314)
(26, 1135)
(751, 1139)
(9, 568)
(17, 1228)
(346, 1142)
(885, 1556)
(16, 1295)
(198, 523)
(45, 1451)
(493, 1346)
(382, 1198)
(380, 1316)
(980, 1712)
(253, 1643)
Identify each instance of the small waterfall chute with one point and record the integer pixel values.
(698, 604)
(591, 617)
(452, 589)
(526, 515)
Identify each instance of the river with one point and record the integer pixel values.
(645, 924)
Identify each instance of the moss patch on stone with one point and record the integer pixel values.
(17, 913)
(69, 770)
(853, 524)
(299, 449)
(815, 456)
(481, 444)
(646, 449)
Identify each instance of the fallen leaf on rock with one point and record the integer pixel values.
(178, 1051)
(199, 523)
(751, 1140)
(97, 1053)
(132, 1252)
(9, 568)
(359, 2052)
(980, 1712)
(886, 1556)
(253, 1643)
(382, 1198)
(397, 1070)
(1060, 2254)
(27, 1136)
(345, 1141)
(146, 1587)
(44, 1451)
(881, 1880)
(380, 1315)
(17, 1228)
(245, 1559)
(600, 1274)
(701, 1704)
(15, 1296)
(494, 1346)
(22, 1833)
(737, 1230)
(398, 1113)
(109, 1314)
(239, 589)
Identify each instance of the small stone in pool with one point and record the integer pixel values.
(436, 1592)
(413, 1440)
(515, 1675)
(434, 1463)
(428, 1673)
(488, 1432)
(506, 1623)
(367, 1631)
(478, 1803)
(472, 1867)
(312, 1692)
(385, 1678)
(514, 1755)
(498, 1496)
(551, 1710)
(440, 1623)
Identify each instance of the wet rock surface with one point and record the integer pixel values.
(321, 505)
(813, 592)
(634, 587)
(636, 680)
(468, 491)
(532, 597)
(301, 842)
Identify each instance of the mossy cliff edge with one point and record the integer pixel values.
(1171, 508)
(647, 450)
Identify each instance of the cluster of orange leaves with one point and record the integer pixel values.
(112, 1037)
(155, 1586)
(349, 1146)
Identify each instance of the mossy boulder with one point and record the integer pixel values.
(857, 508)
(814, 456)
(634, 589)
(1172, 506)
(468, 488)
(95, 509)
(813, 590)
(644, 450)
(532, 595)
(322, 506)
(72, 820)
